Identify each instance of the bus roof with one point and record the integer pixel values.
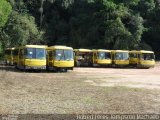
(101, 50)
(141, 51)
(58, 47)
(82, 50)
(34, 46)
(145, 51)
(119, 51)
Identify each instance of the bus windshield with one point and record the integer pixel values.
(35, 53)
(104, 55)
(147, 56)
(121, 56)
(64, 54)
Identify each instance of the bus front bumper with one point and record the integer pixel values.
(35, 67)
(145, 66)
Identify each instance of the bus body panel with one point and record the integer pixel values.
(104, 62)
(147, 63)
(15, 60)
(133, 61)
(35, 62)
(64, 64)
(121, 62)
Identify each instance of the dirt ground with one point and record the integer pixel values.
(83, 90)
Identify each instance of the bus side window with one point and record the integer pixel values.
(133, 55)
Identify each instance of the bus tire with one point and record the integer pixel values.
(64, 70)
(90, 64)
(47, 68)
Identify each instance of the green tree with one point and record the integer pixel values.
(111, 24)
(104, 24)
(5, 10)
(21, 29)
(151, 35)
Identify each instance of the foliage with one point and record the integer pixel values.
(20, 30)
(108, 24)
(5, 10)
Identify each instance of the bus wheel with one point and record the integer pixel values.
(56, 70)
(90, 64)
(47, 68)
(146, 67)
(16, 66)
(63, 70)
(114, 66)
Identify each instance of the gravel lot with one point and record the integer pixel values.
(83, 90)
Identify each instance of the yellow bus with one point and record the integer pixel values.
(142, 58)
(120, 58)
(9, 56)
(32, 57)
(83, 57)
(60, 58)
(101, 57)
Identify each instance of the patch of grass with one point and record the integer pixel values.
(90, 100)
(122, 88)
